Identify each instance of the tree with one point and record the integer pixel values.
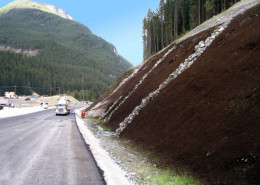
(161, 13)
(175, 20)
(199, 12)
(175, 17)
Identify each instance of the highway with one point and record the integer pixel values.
(42, 148)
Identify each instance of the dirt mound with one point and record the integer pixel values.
(54, 99)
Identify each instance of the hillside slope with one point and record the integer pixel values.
(48, 51)
(28, 4)
(196, 105)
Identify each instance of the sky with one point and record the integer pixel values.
(117, 21)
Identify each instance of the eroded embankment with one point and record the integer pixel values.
(153, 80)
(207, 119)
(122, 89)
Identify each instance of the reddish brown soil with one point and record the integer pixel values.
(207, 120)
(129, 85)
(110, 90)
(156, 77)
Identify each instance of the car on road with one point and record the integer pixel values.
(44, 105)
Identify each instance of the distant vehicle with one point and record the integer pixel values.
(8, 102)
(63, 107)
(4, 102)
(44, 105)
(87, 104)
(27, 99)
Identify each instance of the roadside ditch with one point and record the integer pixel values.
(136, 165)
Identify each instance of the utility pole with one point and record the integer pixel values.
(15, 89)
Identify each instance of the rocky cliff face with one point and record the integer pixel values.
(58, 10)
(19, 4)
(27, 52)
(197, 103)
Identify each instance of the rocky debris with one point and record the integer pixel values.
(137, 166)
(112, 76)
(124, 81)
(101, 132)
(199, 49)
(140, 82)
(110, 108)
(103, 102)
(27, 52)
(119, 154)
(98, 109)
(58, 10)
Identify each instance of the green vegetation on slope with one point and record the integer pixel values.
(69, 52)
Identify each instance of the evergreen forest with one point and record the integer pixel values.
(71, 59)
(174, 18)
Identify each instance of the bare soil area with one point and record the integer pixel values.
(156, 77)
(207, 120)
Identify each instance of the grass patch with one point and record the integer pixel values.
(131, 69)
(176, 180)
(91, 119)
(99, 122)
(153, 175)
(150, 173)
(105, 127)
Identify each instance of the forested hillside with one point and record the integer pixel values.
(174, 18)
(70, 58)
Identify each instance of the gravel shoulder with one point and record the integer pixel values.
(137, 164)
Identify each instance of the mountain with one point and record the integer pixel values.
(43, 50)
(28, 4)
(195, 106)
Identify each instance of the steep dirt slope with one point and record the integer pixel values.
(111, 96)
(207, 120)
(157, 76)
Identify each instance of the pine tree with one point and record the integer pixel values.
(161, 13)
(175, 17)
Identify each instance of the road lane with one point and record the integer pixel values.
(42, 148)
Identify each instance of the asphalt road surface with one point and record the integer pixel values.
(42, 148)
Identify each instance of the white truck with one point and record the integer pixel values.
(63, 107)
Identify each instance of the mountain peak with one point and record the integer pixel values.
(19, 4)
